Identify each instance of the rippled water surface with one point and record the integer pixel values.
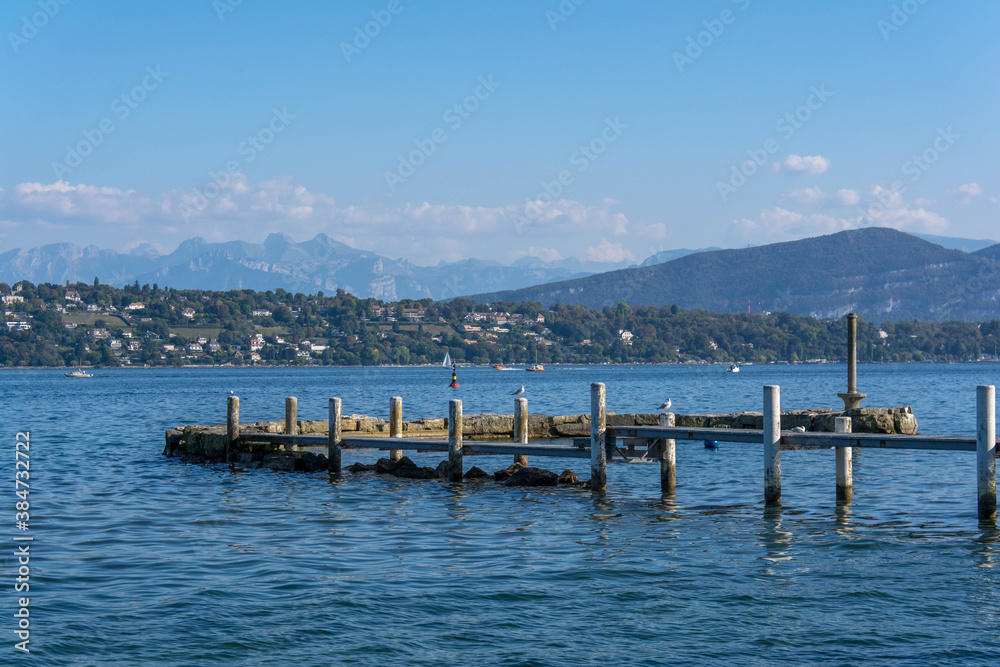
(140, 559)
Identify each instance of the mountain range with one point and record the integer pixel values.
(881, 274)
(311, 266)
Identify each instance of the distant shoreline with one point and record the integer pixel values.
(554, 365)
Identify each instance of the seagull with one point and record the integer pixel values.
(665, 405)
(518, 392)
(232, 393)
(799, 429)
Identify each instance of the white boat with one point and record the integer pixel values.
(447, 360)
(79, 373)
(733, 368)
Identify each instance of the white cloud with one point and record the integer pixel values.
(422, 232)
(779, 224)
(964, 194)
(806, 196)
(886, 208)
(847, 197)
(802, 164)
(606, 251)
(921, 201)
(812, 196)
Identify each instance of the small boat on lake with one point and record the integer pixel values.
(733, 368)
(535, 368)
(499, 367)
(79, 373)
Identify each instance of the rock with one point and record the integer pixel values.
(361, 467)
(568, 477)
(533, 477)
(407, 469)
(476, 473)
(282, 462)
(905, 422)
(441, 472)
(501, 475)
(313, 462)
(384, 467)
(249, 459)
(488, 424)
(314, 427)
(647, 420)
(173, 439)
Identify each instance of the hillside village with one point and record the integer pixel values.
(100, 325)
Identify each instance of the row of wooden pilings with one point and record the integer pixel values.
(772, 435)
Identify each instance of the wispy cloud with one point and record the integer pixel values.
(606, 251)
(422, 231)
(964, 194)
(802, 164)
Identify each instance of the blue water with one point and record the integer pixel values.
(139, 559)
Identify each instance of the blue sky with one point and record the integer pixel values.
(646, 111)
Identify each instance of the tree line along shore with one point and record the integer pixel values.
(49, 325)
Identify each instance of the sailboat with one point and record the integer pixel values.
(447, 360)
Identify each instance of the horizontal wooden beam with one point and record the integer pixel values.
(421, 444)
(816, 439)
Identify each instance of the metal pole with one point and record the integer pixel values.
(395, 425)
(232, 427)
(852, 353)
(772, 445)
(845, 464)
(986, 441)
(668, 458)
(521, 428)
(455, 440)
(598, 426)
(333, 441)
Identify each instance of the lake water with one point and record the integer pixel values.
(139, 559)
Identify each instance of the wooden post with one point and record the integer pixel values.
(521, 428)
(668, 456)
(845, 467)
(772, 444)
(291, 419)
(291, 416)
(333, 439)
(395, 425)
(598, 426)
(986, 442)
(454, 440)
(232, 427)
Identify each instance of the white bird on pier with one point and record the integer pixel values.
(799, 429)
(665, 405)
(518, 392)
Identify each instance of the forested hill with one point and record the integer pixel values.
(880, 273)
(993, 252)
